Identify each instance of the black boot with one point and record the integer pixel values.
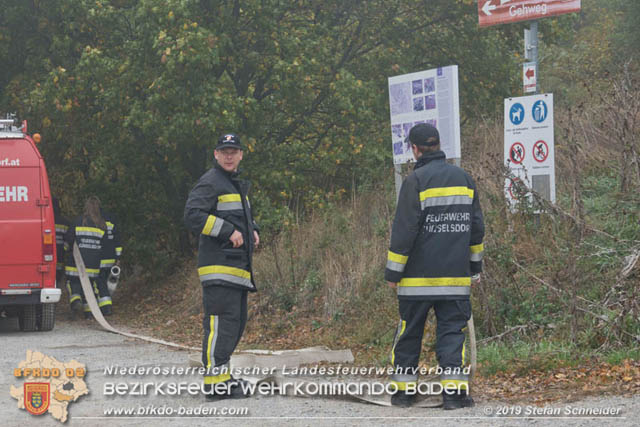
(107, 310)
(76, 309)
(456, 400)
(402, 399)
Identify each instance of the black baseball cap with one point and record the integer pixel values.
(229, 140)
(423, 134)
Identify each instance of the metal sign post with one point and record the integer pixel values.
(533, 33)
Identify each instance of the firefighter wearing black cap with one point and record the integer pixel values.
(218, 210)
(436, 247)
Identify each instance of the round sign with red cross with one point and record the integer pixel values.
(540, 151)
(513, 185)
(516, 153)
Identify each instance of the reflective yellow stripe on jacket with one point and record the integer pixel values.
(213, 226)
(233, 275)
(89, 231)
(229, 202)
(445, 196)
(396, 262)
(434, 286)
(476, 252)
(73, 271)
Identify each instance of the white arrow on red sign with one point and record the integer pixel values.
(492, 12)
(529, 77)
(488, 7)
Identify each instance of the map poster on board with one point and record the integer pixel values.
(425, 97)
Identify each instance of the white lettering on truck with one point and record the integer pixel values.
(14, 194)
(7, 162)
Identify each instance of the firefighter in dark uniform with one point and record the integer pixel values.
(218, 210)
(88, 231)
(62, 225)
(436, 247)
(111, 252)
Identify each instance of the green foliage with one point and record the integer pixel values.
(541, 356)
(130, 96)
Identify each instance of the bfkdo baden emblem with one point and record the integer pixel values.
(36, 397)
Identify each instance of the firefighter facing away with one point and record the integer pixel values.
(88, 231)
(111, 250)
(218, 209)
(436, 245)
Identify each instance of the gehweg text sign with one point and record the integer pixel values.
(494, 12)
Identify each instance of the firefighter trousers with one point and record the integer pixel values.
(225, 316)
(451, 318)
(99, 289)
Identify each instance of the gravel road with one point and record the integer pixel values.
(85, 342)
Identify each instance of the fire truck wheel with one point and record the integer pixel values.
(27, 318)
(46, 316)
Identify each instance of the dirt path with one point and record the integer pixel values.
(86, 343)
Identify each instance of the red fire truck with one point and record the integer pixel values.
(27, 232)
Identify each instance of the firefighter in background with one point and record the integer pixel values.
(219, 211)
(88, 231)
(111, 252)
(62, 225)
(436, 245)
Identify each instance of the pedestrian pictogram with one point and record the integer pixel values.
(540, 151)
(539, 111)
(516, 153)
(516, 113)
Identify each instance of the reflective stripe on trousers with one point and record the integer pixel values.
(215, 374)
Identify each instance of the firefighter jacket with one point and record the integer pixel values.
(218, 205)
(436, 238)
(112, 248)
(90, 239)
(62, 225)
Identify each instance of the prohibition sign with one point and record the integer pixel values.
(540, 151)
(516, 153)
(517, 182)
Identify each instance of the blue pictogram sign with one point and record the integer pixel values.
(539, 111)
(516, 114)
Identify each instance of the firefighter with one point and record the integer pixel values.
(62, 225)
(436, 246)
(88, 231)
(111, 252)
(219, 211)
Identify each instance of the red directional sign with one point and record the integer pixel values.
(493, 12)
(529, 77)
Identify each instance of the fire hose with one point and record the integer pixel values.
(252, 357)
(97, 314)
